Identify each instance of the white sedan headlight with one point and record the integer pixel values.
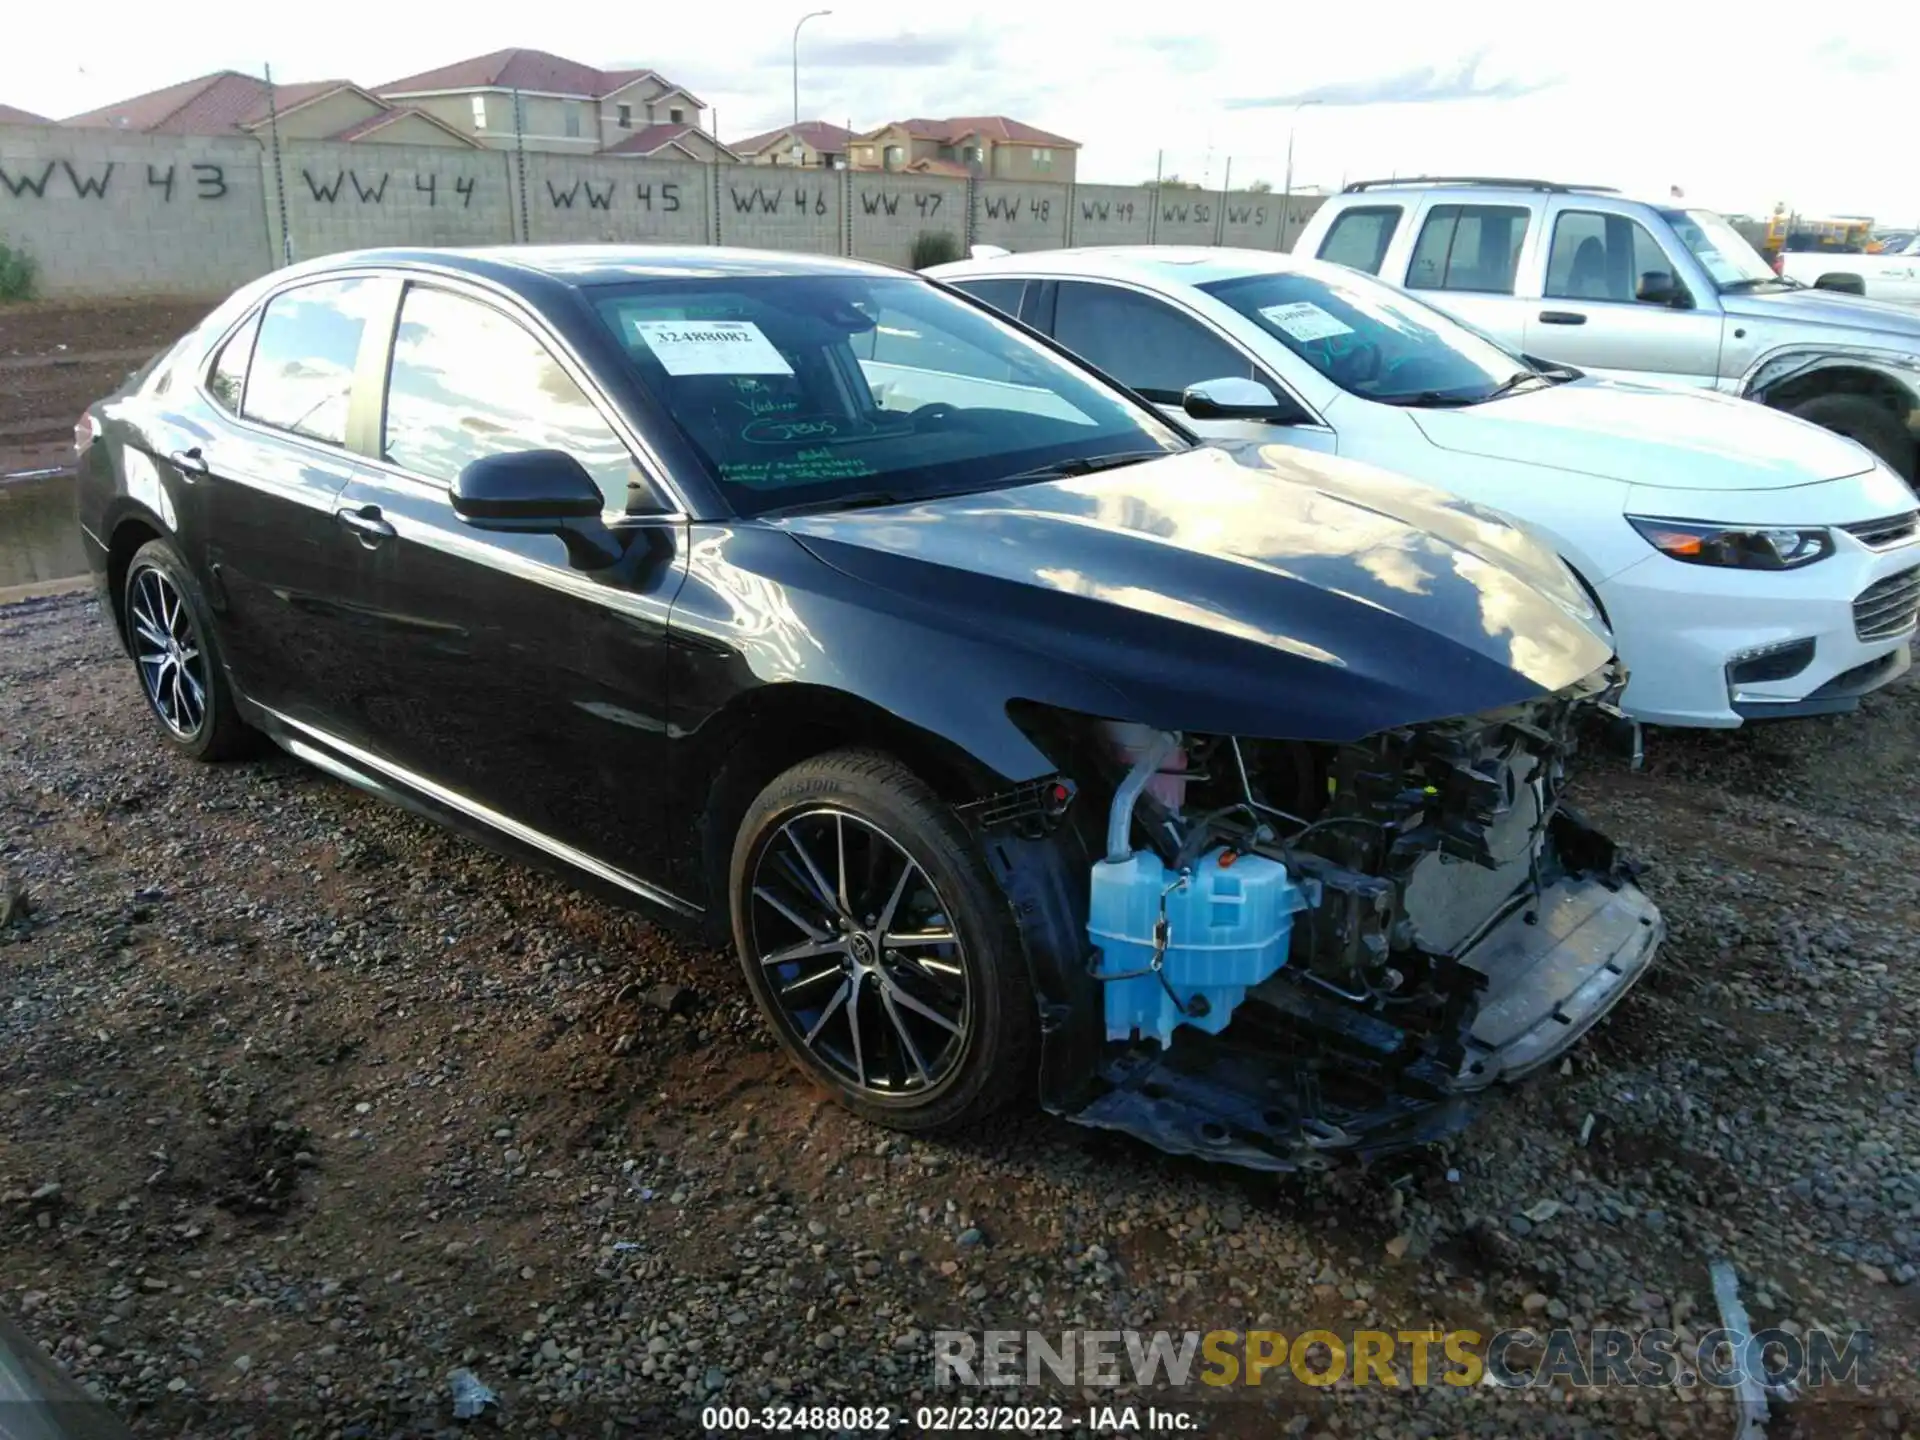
(1736, 547)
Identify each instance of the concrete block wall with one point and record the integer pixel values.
(106, 213)
(658, 202)
(762, 209)
(890, 211)
(344, 197)
(113, 214)
(1020, 216)
(1110, 215)
(1186, 217)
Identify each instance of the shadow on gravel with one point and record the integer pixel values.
(1861, 761)
(251, 1169)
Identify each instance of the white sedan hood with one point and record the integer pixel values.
(1648, 435)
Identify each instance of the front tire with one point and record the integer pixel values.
(882, 953)
(170, 634)
(1868, 423)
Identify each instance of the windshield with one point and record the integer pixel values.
(1371, 339)
(807, 389)
(1721, 250)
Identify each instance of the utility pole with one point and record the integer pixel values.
(1286, 200)
(279, 173)
(520, 165)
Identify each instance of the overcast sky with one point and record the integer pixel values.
(1737, 110)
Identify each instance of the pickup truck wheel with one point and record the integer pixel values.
(1870, 424)
(880, 949)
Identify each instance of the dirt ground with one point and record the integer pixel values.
(57, 357)
(309, 1104)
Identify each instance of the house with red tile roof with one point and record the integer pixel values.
(14, 115)
(811, 142)
(227, 102)
(509, 99)
(987, 145)
(540, 101)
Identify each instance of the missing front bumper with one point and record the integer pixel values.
(1297, 1080)
(1548, 981)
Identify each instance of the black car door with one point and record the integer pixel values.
(522, 687)
(283, 574)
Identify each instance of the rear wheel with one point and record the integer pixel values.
(171, 637)
(1867, 422)
(879, 948)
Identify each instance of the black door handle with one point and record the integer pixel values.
(366, 523)
(190, 463)
(1562, 317)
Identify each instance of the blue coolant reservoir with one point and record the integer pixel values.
(1227, 929)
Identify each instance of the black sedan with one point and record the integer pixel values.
(1019, 744)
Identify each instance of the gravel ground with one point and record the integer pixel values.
(308, 1103)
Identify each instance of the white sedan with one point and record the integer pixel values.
(1751, 565)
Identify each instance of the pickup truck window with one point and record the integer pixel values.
(1360, 236)
(1602, 257)
(1469, 247)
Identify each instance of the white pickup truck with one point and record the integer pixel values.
(1887, 276)
(1636, 290)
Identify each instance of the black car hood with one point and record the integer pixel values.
(1253, 590)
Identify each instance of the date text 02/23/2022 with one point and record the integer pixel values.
(944, 1419)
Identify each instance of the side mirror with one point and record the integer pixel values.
(525, 488)
(537, 492)
(1235, 397)
(1660, 287)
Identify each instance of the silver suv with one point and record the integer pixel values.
(1583, 276)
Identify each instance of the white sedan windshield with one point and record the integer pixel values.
(1371, 339)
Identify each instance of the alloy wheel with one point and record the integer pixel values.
(860, 954)
(171, 659)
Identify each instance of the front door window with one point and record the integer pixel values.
(1142, 342)
(1607, 257)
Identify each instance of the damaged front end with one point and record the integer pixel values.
(1288, 950)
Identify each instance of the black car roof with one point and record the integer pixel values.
(584, 265)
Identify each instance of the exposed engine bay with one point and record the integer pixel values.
(1291, 950)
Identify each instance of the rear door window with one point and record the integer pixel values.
(1142, 342)
(301, 379)
(1360, 237)
(1469, 247)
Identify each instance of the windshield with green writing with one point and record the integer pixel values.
(798, 390)
(1371, 339)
